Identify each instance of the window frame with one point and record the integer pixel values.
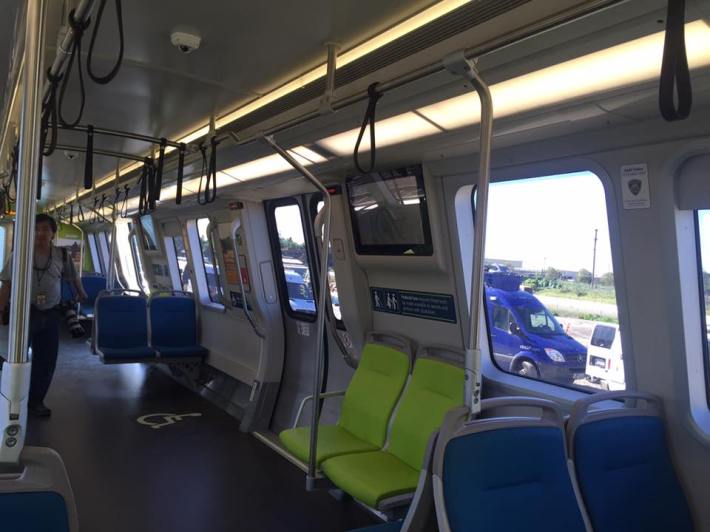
(278, 259)
(201, 287)
(174, 265)
(138, 265)
(397, 250)
(703, 308)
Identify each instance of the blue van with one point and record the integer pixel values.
(526, 337)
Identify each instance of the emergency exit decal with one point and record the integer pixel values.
(439, 307)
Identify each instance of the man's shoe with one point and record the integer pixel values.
(39, 410)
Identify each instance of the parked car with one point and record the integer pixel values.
(605, 362)
(526, 337)
(300, 295)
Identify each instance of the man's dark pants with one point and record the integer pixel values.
(44, 341)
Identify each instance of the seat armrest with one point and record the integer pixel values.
(325, 395)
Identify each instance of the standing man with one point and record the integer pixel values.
(51, 265)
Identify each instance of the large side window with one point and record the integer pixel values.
(177, 261)
(702, 224)
(96, 261)
(549, 280)
(295, 266)
(138, 261)
(209, 261)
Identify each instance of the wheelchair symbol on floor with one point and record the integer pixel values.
(158, 421)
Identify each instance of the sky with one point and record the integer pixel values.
(544, 222)
(550, 222)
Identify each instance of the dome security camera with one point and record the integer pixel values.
(186, 40)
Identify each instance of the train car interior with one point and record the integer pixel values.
(356, 265)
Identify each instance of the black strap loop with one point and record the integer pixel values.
(368, 119)
(675, 75)
(79, 28)
(49, 115)
(180, 173)
(89, 158)
(209, 172)
(103, 80)
(71, 214)
(161, 165)
(123, 210)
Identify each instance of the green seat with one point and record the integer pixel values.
(365, 411)
(373, 477)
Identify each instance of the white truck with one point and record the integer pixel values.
(605, 361)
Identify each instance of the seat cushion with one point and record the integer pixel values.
(34, 512)
(332, 441)
(128, 353)
(627, 478)
(371, 477)
(373, 393)
(435, 388)
(513, 478)
(188, 351)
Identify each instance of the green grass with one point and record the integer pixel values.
(579, 291)
(585, 316)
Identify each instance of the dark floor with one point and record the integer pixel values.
(200, 474)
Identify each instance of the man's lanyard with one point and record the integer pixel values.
(40, 272)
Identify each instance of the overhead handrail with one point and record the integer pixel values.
(466, 68)
(245, 305)
(15, 381)
(318, 227)
(322, 302)
(675, 75)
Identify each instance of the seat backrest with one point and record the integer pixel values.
(623, 467)
(435, 388)
(173, 321)
(121, 321)
(92, 286)
(373, 392)
(505, 473)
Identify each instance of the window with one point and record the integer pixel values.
(177, 259)
(209, 261)
(332, 284)
(138, 261)
(105, 249)
(549, 281)
(150, 241)
(294, 259)
(125, 242)
(94, 250)
(702, 225)
(389, 213)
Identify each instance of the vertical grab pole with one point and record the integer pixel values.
(15, 383)
(458, 64)
(322, 301)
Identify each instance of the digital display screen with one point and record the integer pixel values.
(389, 213)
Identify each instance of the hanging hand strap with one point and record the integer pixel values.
(49, 115)
(159, 172)
(79, 28)
(103, 80)
(675, 75)
(89, 159)
(368, 119)
(180, 173)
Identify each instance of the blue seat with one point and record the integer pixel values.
(623, 467)
(93, 285)
(121, 329)
(67, 291)
(505, 474)
(40, 511)
(173, 328)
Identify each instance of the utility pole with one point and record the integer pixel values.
(594, 257)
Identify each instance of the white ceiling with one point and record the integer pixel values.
(248, 48)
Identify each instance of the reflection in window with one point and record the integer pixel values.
(703, 237)
(183, 270)
(138, 262)
(294, 258)
(549, 281)
(209, 260)
(332, 284)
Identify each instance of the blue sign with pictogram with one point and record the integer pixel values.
(425, 305)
